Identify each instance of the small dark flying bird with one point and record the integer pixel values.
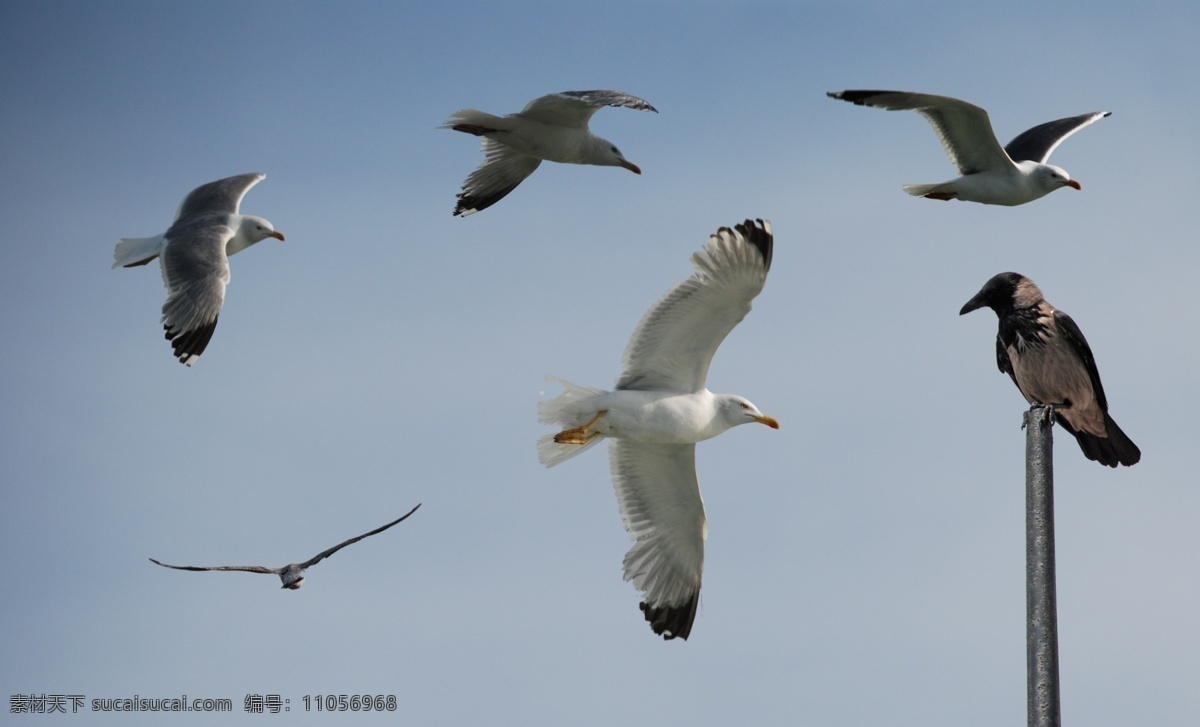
(292, 575)
(1050, 361)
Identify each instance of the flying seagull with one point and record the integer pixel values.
(292, 575)
(553, 127)
(1012, 175)
(1050, 361)
(658, 411)
(194, 255)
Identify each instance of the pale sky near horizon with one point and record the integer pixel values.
(865, 563)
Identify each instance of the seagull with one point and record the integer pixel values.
(553, 127)
(194, 256)
(1013, 175)
(658, 411)
(292, 575)
(1049, 360)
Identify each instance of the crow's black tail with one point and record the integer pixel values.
(1110, 451)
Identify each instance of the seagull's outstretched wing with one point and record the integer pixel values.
(1037, 143)
(502, 170)
(672, 346)
(195, 270)
(247, 568)
(964, 129)
(661, 506)
(576, 108)
(223, 196)
(325, 554)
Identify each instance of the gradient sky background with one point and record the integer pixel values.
(865, 564)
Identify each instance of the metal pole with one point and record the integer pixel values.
(1041, 629)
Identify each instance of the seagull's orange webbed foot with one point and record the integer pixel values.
(580, 435)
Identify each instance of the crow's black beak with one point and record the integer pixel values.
(973, 304)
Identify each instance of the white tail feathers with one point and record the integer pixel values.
(920, 190)
(569, 409)
(564, 409)
(474, 117)
(137, 250)
(551, 452)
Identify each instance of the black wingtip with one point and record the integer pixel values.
(856, 97)
(469, 204)
(758, 233)
(191, 343)
(672, 622)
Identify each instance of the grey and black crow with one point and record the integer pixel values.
(1050, 361)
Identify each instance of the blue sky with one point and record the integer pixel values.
(865, 563)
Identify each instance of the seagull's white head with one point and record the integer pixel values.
(606, 154)
(256, 228)
(1050, 177)
(250, 230)
(735, 410)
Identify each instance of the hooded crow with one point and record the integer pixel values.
(1050, 361)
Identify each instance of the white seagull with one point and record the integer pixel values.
(658, 411)
(194, 256)
(1012, 175)
(553, 127)
(292, 574)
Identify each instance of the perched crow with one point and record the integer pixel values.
(1050, 361)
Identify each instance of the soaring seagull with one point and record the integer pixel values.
(658, 411)
(1012, 175)
(194, 256)
(292, 574)
(553, 127)
(1049, 360)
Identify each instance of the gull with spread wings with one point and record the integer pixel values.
(194, 256)
(552, 128)
(292, 574)
(991, 174)
(658, 411)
